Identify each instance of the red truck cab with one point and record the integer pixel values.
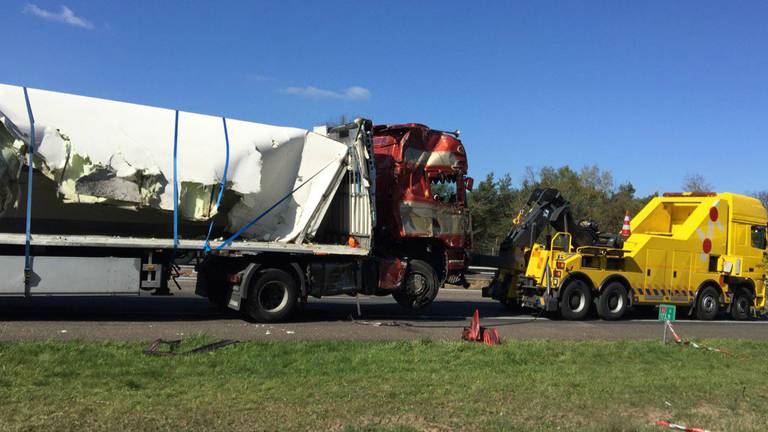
(421, 207)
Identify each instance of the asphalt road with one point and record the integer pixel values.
(146, 318)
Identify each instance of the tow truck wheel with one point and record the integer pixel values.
(575, 300)
(419, 288)
(708, 304)
(740, 305)
(612, 303)
(272, 297)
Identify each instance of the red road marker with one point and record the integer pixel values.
(477, 333)
(679, 427)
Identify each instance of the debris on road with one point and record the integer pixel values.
(681, 341)
(675, 426)
(154, 348)
(477, 333)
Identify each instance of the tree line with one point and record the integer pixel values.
(495, 201)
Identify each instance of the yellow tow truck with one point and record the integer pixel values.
(706, 251)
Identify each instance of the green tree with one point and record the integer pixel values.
(492, 204)
(591, 192)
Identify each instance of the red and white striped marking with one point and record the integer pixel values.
(680, 340)
(626, 231)
(679, 427)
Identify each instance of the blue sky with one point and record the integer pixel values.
(650, 90)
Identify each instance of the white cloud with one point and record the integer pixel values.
(350, 93)
(357, 92)
(65, 16)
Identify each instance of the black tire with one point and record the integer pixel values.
(419, 286)
(575, 300)
(272, 296)
(707, 303)
(613, 302)
(742, 301)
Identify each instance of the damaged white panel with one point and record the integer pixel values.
(121, 154)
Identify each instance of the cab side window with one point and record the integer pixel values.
(758, 237)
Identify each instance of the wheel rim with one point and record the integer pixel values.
(709, 304)
(418, 285)
(615, 303)
(273, 296)
(577, 301)
(742, 305)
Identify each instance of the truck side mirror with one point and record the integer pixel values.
(469, 183)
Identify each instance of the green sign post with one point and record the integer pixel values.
(667, 313)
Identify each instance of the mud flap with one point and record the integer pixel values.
(240, 290)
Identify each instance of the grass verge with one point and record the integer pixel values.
(361, 386)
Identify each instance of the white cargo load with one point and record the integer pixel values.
(122, 154)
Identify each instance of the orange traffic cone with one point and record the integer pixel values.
(472, 333)
(625, 230)
(477, 333)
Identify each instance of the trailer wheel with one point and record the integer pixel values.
(575, 300)
(740, 305)
(708, 304)
(612, 303)
(272, 297)
(419, 288)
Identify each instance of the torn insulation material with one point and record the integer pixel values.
(121, 154)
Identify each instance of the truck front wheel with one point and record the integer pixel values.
(612, 303)
(575, 300)
(272, 296)
(419, 287)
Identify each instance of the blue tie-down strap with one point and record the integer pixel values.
(175, 185)
(207, 245)
(240, 232)
(30, 152)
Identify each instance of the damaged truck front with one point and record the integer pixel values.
(272, 215)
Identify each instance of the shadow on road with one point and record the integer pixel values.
(118, 308)
(185, 307)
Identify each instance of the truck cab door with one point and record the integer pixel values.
(759, 260)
